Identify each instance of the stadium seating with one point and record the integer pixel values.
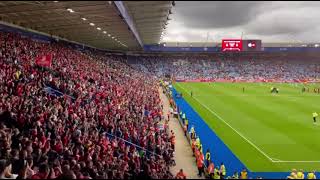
(93, 115)
(87, 116)
(262, 67)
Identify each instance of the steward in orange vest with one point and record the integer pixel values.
(211, 170)
(200, 166)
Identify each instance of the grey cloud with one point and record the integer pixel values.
(272, 20)
(215, 14)
(285, 21)
(274, 28)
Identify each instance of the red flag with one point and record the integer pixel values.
(44, 60)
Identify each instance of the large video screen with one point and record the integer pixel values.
(240, 45)
(231, 45)
(251, 45)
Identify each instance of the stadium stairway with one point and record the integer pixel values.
(219, 151)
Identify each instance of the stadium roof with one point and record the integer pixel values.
(94, 23)
(150, 17)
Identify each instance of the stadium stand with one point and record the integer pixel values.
(55, 122)
(238, 67)
(71, 131)
(75, 112)
(79, 119)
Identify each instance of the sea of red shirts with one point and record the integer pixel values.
(109, 96)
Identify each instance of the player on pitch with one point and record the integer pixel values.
(315, 115)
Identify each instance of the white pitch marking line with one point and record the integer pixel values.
(231, 127)
(252, 144)
(296, 161)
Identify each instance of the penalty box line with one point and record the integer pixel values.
(279, 161)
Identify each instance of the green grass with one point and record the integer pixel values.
(273, 128)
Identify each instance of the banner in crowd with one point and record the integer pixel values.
(54, 92)
(44, 61)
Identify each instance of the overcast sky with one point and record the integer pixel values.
(271, 21)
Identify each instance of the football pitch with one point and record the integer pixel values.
(267, 132)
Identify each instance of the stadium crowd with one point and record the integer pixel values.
(230, 67)
(103, 123)
(91, 115)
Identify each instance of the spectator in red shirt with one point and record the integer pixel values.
(43, 172)
(181, 175)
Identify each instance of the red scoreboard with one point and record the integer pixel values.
(231, 45)
(240, 45)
